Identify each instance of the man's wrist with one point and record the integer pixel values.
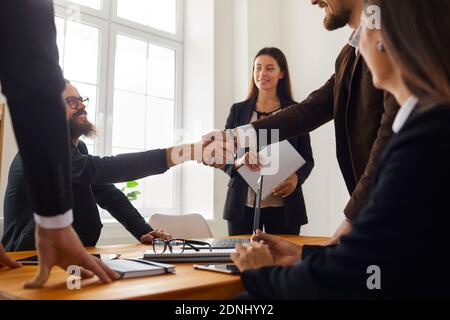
(245, 136)
(60, 221)
(183, 153)
(53, 231)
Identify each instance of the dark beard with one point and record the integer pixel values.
(78, 129)
(337, 21)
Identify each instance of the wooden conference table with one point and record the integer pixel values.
(186, 283)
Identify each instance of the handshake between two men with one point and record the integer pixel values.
(221, 148)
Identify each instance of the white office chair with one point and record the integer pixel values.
(187, 226)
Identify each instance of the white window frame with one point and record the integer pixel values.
(103, 13)
(177, 47)
(110, 26)
(101, 72)
(177, 36)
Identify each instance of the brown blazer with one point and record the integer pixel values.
(363, 117)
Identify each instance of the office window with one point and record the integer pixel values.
(157, 14)
(144, 115)
(131, 77)
(94, 4)
(78, 45)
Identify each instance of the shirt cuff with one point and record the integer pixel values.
(246, 136)
(56, 222)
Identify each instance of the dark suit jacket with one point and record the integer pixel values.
(32, 82)
(403, 230)
(92, 177)
(363, 118)
(294, 205)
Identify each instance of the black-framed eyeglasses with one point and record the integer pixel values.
(74, 102)
(178, 245)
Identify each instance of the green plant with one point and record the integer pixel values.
(131, 195)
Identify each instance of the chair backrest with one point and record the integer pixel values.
(186, 226)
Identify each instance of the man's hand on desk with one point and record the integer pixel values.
(6, 261)
(283, 251)
(148, 238)
(63, 248)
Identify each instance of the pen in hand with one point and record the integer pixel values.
(255, 238)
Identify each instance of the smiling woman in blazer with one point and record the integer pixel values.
(284, 211)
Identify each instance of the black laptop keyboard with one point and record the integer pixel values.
(228, 242)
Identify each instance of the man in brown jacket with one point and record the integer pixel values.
(363, 115)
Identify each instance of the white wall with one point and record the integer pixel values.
(198, 101)
(224, 77)
(241, 29)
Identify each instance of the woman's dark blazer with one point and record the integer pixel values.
(294, 205)
(398, 246)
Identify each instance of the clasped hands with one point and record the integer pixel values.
(219, 148)
(216, 149)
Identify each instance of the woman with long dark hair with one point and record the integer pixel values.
(283, 212)
(398, 245)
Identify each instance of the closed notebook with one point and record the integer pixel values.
(134, 268)
(216, 255)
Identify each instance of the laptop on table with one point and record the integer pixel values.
(230, 243)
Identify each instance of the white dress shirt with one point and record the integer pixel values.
(404, 113)
(354, 39)
(55, 222)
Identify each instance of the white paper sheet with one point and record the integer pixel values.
(283, 161)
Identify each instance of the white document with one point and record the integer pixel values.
(282, 162)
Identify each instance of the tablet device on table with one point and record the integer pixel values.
(35, 261)
(218, 267)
